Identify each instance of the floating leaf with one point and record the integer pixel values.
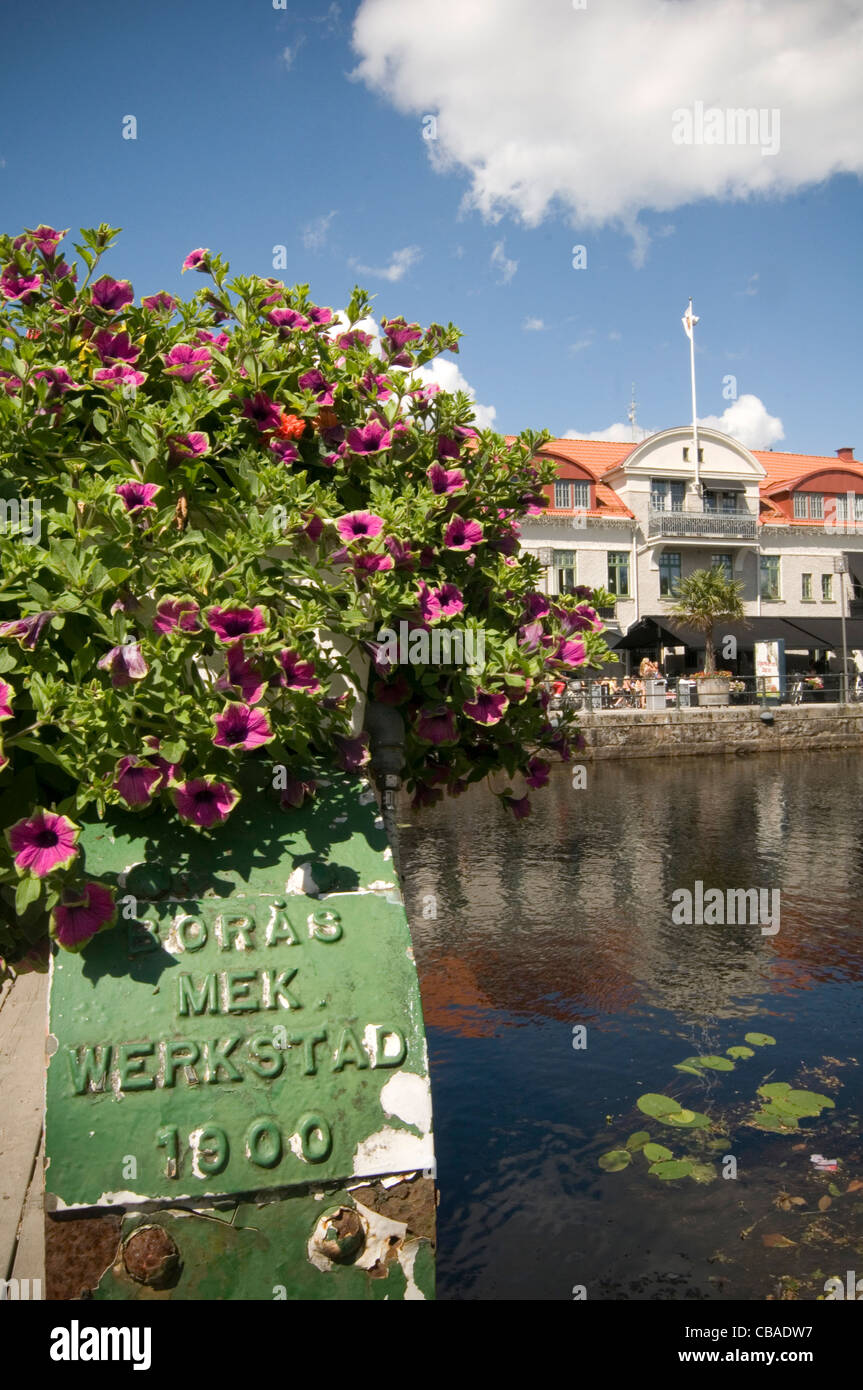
(657, 1106)
(614, 1160)
(637, 1141)
(806, 1102)
(774, 1089)
(686, 1066)
(834, 1190)
(824, 1203)
(775, 1240)
(716, 1063)
(703, 1172)
(740, 1051)
(657, 1152)
(671, 1168)
(759, 1039)
(774, 1120)
(685, 1119)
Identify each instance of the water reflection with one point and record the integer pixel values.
(567, 919)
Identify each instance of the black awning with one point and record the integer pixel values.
(806, 634)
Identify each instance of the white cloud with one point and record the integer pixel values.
(616, 434)
(448, 377)
(582, 344)
(745, 419)
(501, 262)
(398, 267)
(314, 233)
(588, 125)
(532, 325)
(751, 286)
(614, 336)
(748, 421)
(289, 53)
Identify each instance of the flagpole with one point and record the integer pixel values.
(694, 414)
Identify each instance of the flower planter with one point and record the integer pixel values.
(714, 691)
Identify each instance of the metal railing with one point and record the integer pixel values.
(682, 692)
(741, 525)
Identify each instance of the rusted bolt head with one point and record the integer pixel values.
(340, 1235)
(151, 1257)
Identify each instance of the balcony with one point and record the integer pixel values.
(740, 526)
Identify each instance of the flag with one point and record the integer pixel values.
(689, 321)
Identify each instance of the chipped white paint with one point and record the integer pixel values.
(296, 1144)
(380, 885)
(408, 1097)
(407, 1259)
(302, 882)
(339, 820)
(392, 1150)
(387, 854)
(379, 823)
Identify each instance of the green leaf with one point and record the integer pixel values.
(685, 1119)
(715, 1063)
(656, 1152)
(656, 1105)
(614, 1160)
(637, 1140)
(671, 1168)
(759, 1039)
(27, 892)
(740, 1051)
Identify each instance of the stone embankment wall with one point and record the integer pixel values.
(688, 732)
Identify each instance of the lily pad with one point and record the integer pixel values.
(806, 1102)
(716, 1063)
(614, 1160)
(740, 1051)
(685, 1119)
(657, 1106)
(774, 1089)
(688, 1067)
(637, 1140)
(671, 1168)
(759, 1039)
(657, 1153)
(703, 1172)
(774, 1120)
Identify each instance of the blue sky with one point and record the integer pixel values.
(254, 129)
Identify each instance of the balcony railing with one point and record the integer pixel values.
(731, 525)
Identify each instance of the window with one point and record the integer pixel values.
(816, 506)
(858, 506)
(800, 507)
(770, 576)
(618, 573)
(568, 496)
(806, 588)
(722, 562)
(666, 496)
(564, 565)
(686, 454)
(827, 587)
(720, 501)
(669, 573)
(856, 587)
(842, 507)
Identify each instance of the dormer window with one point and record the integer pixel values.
(686, 454)
(571, 496)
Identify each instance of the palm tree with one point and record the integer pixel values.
(706, 597)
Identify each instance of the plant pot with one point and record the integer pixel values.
(714, 691)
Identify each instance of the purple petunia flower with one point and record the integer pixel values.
(288, 320)
(204, 802)
(45, 239)
(520, 806)
(241, 726)
(138, 496)
(568, 653)
(196, 260)
(60, 381)
(372, 564)
(372, 438)
(27, 630)
(317, 382)
(264, 412)
(462, 534)
(43, 842)
(536, 605)
(537, 772)
(355, 338)
(115, 347)
(232, 624)
(161, 303)
(119, 375)
(436, 726)
(219, 340)
(372, 383)
(400, 551)
(76, 920)
(243, 676)
(297, 674)
(314, 527)
(285, 450)
(445, 480)
(392, 692)
(530, 635)
(320, 315)
(112, 295)
(295, 791)
(186, 361)
(136, 781)
(428, 602)
(14, 285)
(188, 446)
(356, 526)
(173, 613)
(126, 664)
(6, 698)
(352, 753)
(487, 708)
(399, 333)
(450, 599)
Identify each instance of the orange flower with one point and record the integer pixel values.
(290, 426)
